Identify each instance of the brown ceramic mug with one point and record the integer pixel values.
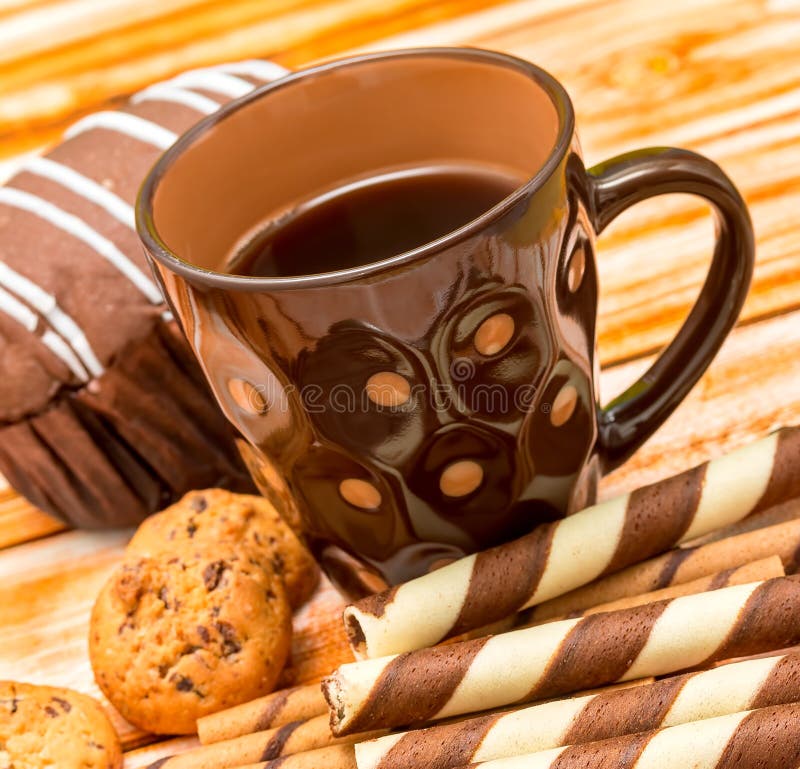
(483, 340)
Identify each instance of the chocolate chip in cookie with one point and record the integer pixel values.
(174, 637)
(42, 727)
(216, 516)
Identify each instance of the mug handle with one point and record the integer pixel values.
(626, 422)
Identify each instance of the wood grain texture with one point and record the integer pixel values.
(62, 58)
(721, 77)
(718, 76)
(22, 522)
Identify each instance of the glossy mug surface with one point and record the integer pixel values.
(409, 410)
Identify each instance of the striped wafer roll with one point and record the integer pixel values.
(757, 571)
(671, 701)
(561, 657)
(766, 568)
(677, 567)
(556, 558)
(334, 757)
(280, 708)
(768, 738)
(286, 740)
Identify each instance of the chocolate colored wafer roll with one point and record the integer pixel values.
(334, 757)
(556, 558)
(286, 740)
(766, 568)
(280, 708)
(561, 657)
(671, 701)
(768, 738)
(677, 567)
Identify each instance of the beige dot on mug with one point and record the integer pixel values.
(494, 333)
(563, 405)
(576, 269)
(360, 493)
(246, 396)
(388, 389)
(461, 478)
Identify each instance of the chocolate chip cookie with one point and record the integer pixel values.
(216, 516)
(176, 637)
(42, 727)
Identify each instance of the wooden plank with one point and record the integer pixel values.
(20, 521)
(749, 390)
(52, 87)
(48, 588)
(718, 76)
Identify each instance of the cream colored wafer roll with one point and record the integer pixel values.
(760, 656)
(781, 513)
(680, 699)
(286, 740)
(334, 757)
(556, 558)
(286, 706)
(677, 567)
(610, 687)
(561, 657)
(768, 738)
(757, 571)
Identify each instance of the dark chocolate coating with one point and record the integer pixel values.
(129, 442)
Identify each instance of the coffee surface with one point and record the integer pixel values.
(372, 220)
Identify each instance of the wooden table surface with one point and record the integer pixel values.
(718, 76)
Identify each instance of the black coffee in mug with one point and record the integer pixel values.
(372, 219)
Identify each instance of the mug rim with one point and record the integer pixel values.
(157, 249)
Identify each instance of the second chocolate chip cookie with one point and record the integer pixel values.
(218, 517)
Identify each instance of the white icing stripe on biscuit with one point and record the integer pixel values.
(123, 122)
(29, 320)
(18, 311)
(61, 349)
(263, 70)
(85, 187)
(176, 95)
(46, 305)
(214, 80)
(83, 232)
